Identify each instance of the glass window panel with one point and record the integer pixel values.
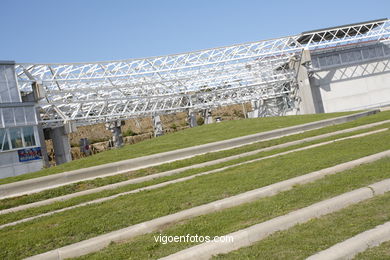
(4, 93)
(329, 61)
(322, 61)
(351, 56)
(28, 134)
(11, 82)
(19, 115)
(315, 62)
(366, 53)
(4, 145)
(2, 134)
(30, 115)
(336, 59)
(16, 137)
(357, 55)
(8, 114)
(1, 118)
(369, 53)
(387, 49)
(345, 57)
(379, 51)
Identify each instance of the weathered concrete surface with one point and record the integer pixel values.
(179, 170)
(251, 235)
(159, 185)
(354, 245)
(99, 242)
(60, 179)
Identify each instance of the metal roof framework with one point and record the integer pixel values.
(88, 93)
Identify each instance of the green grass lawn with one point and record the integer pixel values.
(381, 252)
(84, 185)
(75, 225)
(243, 216)
(7, 218)
(189, 137)
(306, 239)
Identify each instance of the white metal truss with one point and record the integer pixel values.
(87, 93)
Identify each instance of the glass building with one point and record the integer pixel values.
(20, 150)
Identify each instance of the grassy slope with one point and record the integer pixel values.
(7, 218)
(84, 185)
(381, 252)
(233, 219)
(186, 138)
(55, 231)
(306, 239)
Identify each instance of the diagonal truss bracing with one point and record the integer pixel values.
(88, 93)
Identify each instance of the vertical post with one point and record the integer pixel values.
(42, 141)
(191, 118)
(61, 145)
(157, 126)
(115, 128)
(306, 105)
(244, 110)
(208, 119)
(35, 96)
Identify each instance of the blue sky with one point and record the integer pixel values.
(47, 31)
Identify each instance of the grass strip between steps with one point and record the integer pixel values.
(11, 217)
(85, 185)
(243, 216)
(65, 228)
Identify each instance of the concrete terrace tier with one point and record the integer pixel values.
(60, 179)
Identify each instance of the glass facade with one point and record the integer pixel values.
(8, 87)
(17, 137)
(29, 137)
(4, 145)
(350, 56)
(17, 116)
